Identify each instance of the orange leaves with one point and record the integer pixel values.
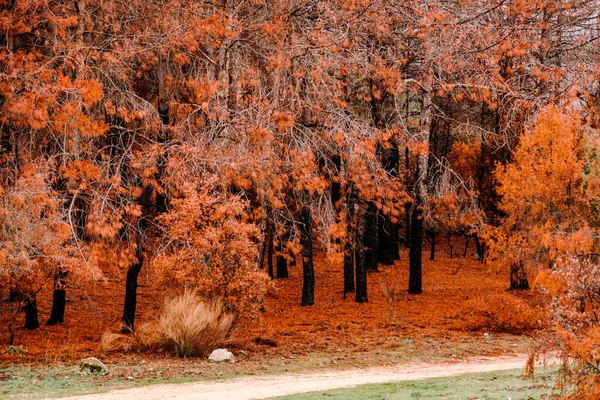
(543, 194)
(282, 121)
(208, 245)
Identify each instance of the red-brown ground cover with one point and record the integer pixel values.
(462, 298)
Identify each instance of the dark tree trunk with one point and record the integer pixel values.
(370, 237)
(59, 299)
(466, 246)
(308, 282)
(281, 264)
(385, 246)
(361, 259)
(480, 249)
(432, 235)
(349, 245)
(14, 295)
(31, 313)
(336, 187)
(131, 283)
(415, 277)
(162, 202)
(450, 245)
(518, 277)
(270, 255)
(131, 286)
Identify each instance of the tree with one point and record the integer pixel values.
(545, 197)
(37, 240)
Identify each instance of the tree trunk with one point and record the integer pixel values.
(480, 249)
(349, 245)
(281, 264)
(466, 246)
(270, 255)
(360, 257)
(432, 235)
(59, 299)
(370, 237)
(385, 247)
(308, 282)
(415, 277)
(450, 245)
(518, 277)
(131, 285)
(31, 313)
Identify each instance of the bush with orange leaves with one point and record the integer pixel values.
(503, 313)
(575, 287)
(35, 237)
(209, 245)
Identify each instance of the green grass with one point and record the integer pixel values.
(494, 385)
(22, 382)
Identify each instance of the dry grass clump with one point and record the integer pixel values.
(111, 341)
(187, 326)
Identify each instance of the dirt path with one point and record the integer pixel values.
(278, 385)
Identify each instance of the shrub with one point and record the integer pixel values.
(503, 313)
(187, 326)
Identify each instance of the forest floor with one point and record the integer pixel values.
(464, 311)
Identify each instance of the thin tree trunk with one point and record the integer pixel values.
(518, 277)
(415, 277)
(432, 235)
(270, 254)
(131, 284)
(130, 305)
(349, 245)
(308, 282)
(480, 246)
(31, 313)
(385, 246)
(281, 264)
(59, 299)
(360, 257)
(420, 192)
(370, 237)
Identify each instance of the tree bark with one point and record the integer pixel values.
(370, 237)
(308, 282)
(281, 264)
(432, 235)
(130, 305)
(480, 246)
(31, 313)
(349, 244)
(131, 284)
(360, 258)
(59, 299)
(415, 277)
(518, 277)
(270, 254)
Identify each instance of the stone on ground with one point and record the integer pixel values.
(93, 365)
(221, 356)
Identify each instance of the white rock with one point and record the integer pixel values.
(221, 356)
(93, 365)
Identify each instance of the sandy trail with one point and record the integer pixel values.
(260, 387)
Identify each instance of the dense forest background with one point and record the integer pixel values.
(220, 143)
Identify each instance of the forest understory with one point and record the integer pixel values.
(465, 310)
